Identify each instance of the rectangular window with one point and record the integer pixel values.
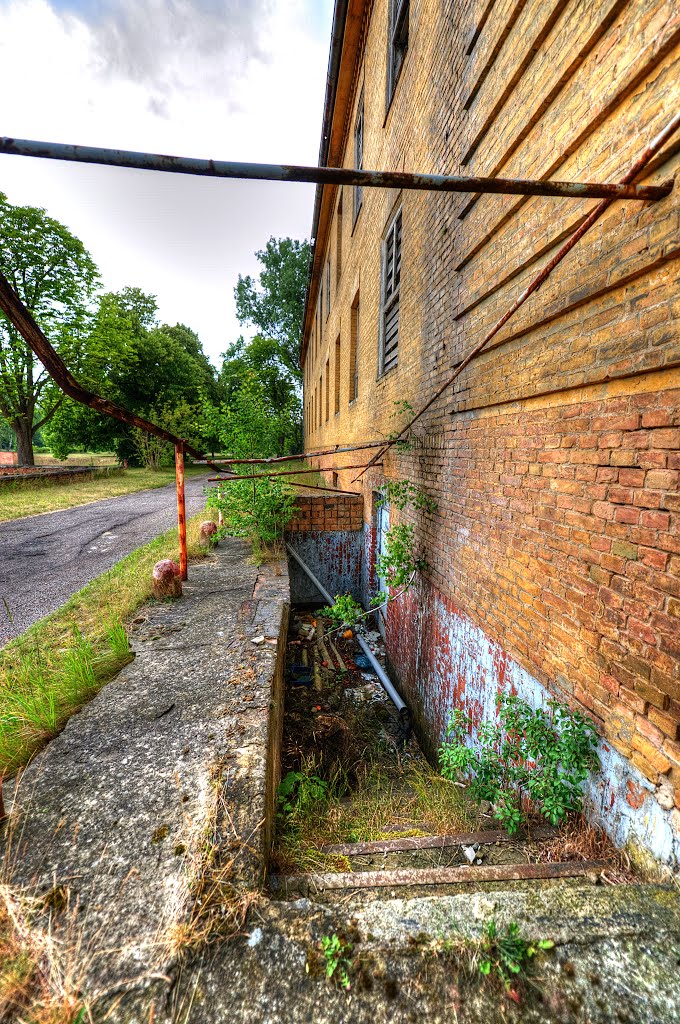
(320, 399)
(319, 308)
(389, 296)
(359, 154)
(354, 351)
(328, 390)
(328, 287)
(338, 241)
(397, 43)
(337, 374)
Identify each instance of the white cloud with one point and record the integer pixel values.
(231, 80)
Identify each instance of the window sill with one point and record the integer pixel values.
(382, 376)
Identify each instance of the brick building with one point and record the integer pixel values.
(554, 557)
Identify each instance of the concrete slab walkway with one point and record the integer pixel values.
(119, 812)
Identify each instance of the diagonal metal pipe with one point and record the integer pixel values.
(385, 681)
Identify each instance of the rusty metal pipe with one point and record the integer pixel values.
(303, 455)
(333, 490)
(281, 472)
(330, 175)
(651, 150)
(22, 319)
(181, 511)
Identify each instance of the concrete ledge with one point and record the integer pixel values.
(615, 960)
(177, 755)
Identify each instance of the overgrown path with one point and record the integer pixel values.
(47, 558)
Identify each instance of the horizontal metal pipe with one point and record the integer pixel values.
(385, 680)
(302, 455)
(329, 175)
(280, 472)
(333, 490)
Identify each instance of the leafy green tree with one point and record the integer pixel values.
(55, 278)
(275, 304)
(150, 369)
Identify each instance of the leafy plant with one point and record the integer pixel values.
(545, 755)
(344, 610)
(398, 564)
(400, 493)
(507, 954)
(259, 509)
(299, 791)
(337, 957)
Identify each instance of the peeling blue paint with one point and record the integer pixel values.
(442, 660)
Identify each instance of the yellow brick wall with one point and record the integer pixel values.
(554, 458)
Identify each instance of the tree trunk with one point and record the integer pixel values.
(24, 435)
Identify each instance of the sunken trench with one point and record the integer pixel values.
(360, 809)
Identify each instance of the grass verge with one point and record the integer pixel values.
(61, 662)
(39, 973)
(33, 497)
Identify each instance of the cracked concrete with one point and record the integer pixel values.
(118, 807)
(177, 760)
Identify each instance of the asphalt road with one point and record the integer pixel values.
(44, 559)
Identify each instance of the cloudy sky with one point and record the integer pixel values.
(228, 79)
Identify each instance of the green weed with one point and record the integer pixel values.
(545, 755)
(507, 955)
(336, 954)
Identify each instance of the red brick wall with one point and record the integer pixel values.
(327, 513)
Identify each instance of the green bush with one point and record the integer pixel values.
(258, 509)
(545, 755)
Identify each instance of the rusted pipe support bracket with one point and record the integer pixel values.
(330, 175)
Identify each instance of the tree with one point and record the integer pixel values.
(55, 277)
(149, 369)
(277, 305)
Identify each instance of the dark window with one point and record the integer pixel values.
(397, 43)
(338, 241)
(354, 351)
(328, 390)
(337, 374)
(359, 154)
(389, 305)
(328, 288)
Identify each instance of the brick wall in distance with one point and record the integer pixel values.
(316, 513)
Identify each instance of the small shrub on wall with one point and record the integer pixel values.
(545, 755)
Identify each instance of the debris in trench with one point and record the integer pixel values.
(344, 738)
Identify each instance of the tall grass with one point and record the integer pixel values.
(61, 662)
